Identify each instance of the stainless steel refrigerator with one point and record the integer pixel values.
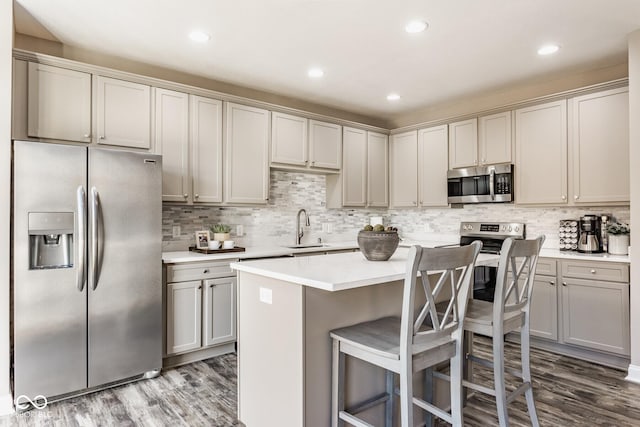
(87, 270)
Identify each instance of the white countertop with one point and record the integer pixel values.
(178, 257)
(337, 272)
(556, 253)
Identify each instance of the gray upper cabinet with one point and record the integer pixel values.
(463, 143)
(205, 134)
(494, 138)
(354, 171)
(403, 183)
(247, 154)
(123, 113)
(301, 144)
(599, 141)
(59, 103)
(377, 170)
(432, 166)
(541, 154)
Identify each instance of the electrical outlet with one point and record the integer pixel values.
(176, 231)
(325, 227)
(329, 227)
(266, 296)
(239, 230)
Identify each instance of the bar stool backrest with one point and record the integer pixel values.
(453, 268)
(516, 273)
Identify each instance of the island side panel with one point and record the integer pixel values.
(270, 353)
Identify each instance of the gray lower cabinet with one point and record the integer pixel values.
(583, 304)
(202, 312)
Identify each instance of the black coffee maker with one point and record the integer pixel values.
(590, 240)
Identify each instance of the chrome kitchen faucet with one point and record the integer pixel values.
(299, 231)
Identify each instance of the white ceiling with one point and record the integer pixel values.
(471, 46)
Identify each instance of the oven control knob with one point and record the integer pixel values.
(517, 228)
(510, 228)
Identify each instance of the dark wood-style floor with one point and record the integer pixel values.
(568, 392)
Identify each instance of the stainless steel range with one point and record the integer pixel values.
(492, 235)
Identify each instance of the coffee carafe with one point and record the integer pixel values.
(590, 237)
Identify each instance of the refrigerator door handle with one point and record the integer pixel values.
(82, 230)
(94, 213)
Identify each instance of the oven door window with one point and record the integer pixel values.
(469, 186)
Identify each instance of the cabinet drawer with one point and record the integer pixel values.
(199, 270)
(596, 270)
(546, 266)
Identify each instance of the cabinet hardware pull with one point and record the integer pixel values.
(102, 137)
(552, 282)
(200, 287)
(206, 270)
(185, 195)
(87, 135)
(576, 197)
(564, 197)
(593, 272)
(196, 195)
(564, 283)
(211, 285)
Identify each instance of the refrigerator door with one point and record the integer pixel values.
(50, 300)
(125, 267)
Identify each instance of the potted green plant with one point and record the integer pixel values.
(221, 232)
(618, 236)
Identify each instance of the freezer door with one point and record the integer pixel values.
(125, 265)
(50, 300)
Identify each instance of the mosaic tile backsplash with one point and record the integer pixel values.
(275, 224)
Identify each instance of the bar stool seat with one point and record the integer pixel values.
(409, 344)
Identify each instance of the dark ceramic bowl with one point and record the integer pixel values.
(378, 245)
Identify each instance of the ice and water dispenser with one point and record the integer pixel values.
(50, 240)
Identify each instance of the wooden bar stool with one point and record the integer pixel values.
(409, 344)
(508, 313)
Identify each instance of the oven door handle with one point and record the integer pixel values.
(492, 181)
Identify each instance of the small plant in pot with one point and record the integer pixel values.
(378, 243)
(618, 238)
(221, 232)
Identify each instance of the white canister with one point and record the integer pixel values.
(618, 244)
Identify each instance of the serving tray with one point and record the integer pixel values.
(216, 251)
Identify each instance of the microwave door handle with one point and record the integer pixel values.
(82, 229)
(492, 180)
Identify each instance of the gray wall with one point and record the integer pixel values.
(290, 191)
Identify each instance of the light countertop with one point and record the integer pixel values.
(337, 272)
(178, 257)
(556, 253)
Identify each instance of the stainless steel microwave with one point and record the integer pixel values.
(482, 184)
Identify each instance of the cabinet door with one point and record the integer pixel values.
(219, 317)
(377, 170)
(541, 154)
(463, 143)
(206, 149)
(325, 145)
(544, 308)
(184, 316)
(433, 163)
(595, 314)
(404, 169)
(600, 147)
(494, 138)
(59, 103)
(172, 142)
(123, 113)
(354, 167)
(288, 139)
(247, 154)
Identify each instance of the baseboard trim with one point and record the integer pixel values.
(634, 374)
(6, 405)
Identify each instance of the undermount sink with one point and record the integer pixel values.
(306, 245)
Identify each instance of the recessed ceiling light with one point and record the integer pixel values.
(199, 36)
(315, 73)
(393, 97)
(416, 27)
(548, 49)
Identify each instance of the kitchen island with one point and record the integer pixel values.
(286, 308)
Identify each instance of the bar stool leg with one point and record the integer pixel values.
(406, 396)
(499, 380)
(388, 410)
(456, 364)
(337, 385)
(428, 395)
(526, 375)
